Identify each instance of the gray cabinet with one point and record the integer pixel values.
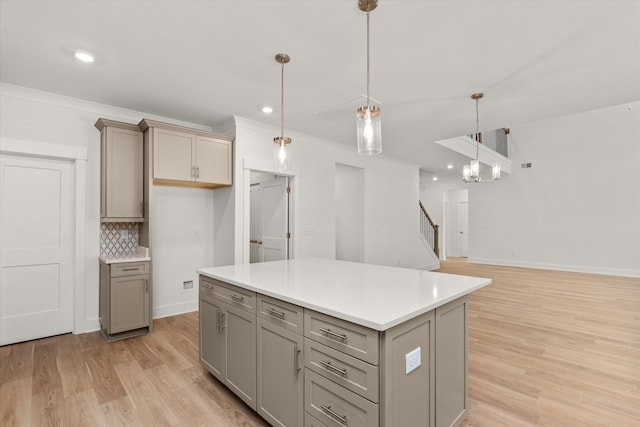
(317, 370)
(124, 299)
(228, 337)
(121, 167)
(280, 364)
(189, 157)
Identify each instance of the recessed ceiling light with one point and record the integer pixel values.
(267, 110)
(449, 166)
(435, 178)
(84, 57)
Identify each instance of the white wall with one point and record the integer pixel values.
(576, 209)
(47, 118)
(349, 188)
(391, 196)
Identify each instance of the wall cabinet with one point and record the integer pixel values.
(124, 299)
(121, 168)
(189, 157)
(228, 337)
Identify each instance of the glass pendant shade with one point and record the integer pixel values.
(282, 154)
(495, 171)
(369, 129)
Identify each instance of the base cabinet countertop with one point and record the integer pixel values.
(319, 342)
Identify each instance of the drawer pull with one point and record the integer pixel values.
(330, 367)
(207, 286)
(333, 334)
(334, 414)
(131, 269)
(237, 298)
(275, 313)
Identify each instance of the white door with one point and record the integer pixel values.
(274, 219)
(254, 231)
(36, 248)
(463, 229)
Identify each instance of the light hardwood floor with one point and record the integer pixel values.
(545, 349)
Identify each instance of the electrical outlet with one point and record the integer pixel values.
(124, 234)
(187, 284)
(413, 360)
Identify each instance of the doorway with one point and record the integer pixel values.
(37, 248)
(456, 233)
(349, 194)
(269, 233)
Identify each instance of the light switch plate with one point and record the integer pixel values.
(413, 360)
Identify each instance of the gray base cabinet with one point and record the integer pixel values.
(315, 370)
(228, 337)
(124, 299)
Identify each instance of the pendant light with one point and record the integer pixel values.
(368, 120)
(471, 172)
(282, 148)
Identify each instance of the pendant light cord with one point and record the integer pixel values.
(368, 81)
(477, 129)
(282, 104)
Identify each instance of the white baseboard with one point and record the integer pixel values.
(558, 267)
(90, 325)
(175, 309)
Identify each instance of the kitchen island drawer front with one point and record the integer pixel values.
(351, 373)
(281, 313)
(311, 421)
(355, 340)
(232, 295)
(129, 268)
(336, 406)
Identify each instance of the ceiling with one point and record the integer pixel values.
(204, 61)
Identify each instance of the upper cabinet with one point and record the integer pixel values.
(189, 157)
(121, 168)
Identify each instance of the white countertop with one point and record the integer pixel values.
(142, 254)
(374, 296)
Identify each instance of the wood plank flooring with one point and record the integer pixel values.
(546, 348)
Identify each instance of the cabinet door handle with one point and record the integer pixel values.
(296, 363)
(275, 313)
(218, 320)
(146, 285)
(193, 171)
(327, 409)
(330, 333)
(223, 320)
(329, 366)
(237, 298)
(197, 171)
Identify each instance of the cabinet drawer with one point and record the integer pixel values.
(336, 406)
(344, 336)
(281, 313)
(129, 268)
(349, 372)
(232, 295)
(311, 421)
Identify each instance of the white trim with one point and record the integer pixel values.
(25, 147)
(14, 146)
(557, 267)
(175, 309)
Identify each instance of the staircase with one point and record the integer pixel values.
(429, 237)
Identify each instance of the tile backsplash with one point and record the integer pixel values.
(111, 243)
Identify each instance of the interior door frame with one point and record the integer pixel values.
(78, 157)
(260, 165)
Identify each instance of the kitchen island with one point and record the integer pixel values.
(319, 342)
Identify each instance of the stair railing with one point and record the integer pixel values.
(429, 230)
